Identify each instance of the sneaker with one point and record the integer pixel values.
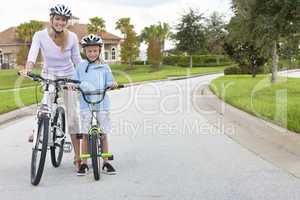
(30, 138)
(108, 169)
(83, 170)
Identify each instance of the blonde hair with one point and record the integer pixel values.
(61, 39)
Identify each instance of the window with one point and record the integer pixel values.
(105, 55)
(113, 54)
(1, 57)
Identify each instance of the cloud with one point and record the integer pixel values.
(138, 3)
(142, 13)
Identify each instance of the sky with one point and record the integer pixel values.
(142, 13)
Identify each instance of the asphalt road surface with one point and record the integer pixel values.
(164, 149)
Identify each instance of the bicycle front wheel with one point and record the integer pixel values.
(59, 130)
(94, 142)
(39, 151)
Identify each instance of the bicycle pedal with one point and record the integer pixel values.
(68, 147)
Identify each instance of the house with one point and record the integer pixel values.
(10, 44)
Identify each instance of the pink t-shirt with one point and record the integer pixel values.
(56, 62)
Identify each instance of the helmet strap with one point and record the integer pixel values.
(56, 32)
(91, 61)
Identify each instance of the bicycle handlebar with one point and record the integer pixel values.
(96, 92)
(36, 77)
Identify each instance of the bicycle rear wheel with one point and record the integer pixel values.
(39, 151)
(59, 130)
(94, 142)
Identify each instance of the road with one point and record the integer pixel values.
(164, 149)
(291, 73)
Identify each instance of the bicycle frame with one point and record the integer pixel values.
(50, 117)
(47, 108)
(94, 126)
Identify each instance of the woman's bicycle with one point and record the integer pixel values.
(95, 132)
(51, 126)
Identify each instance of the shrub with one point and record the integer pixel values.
(198, 60)
(139, 62)
(232, 70)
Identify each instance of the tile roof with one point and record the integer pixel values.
(8, 36)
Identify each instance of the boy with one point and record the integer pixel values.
(94, 75)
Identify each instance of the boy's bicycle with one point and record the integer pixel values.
(95, 133)
(51, 127)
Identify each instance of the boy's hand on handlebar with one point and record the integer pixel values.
(114, 85)
(71, 87)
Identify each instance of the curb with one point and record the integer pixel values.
(17, 114)
(175, 78)
(270, 142)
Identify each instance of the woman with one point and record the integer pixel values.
(60, 51)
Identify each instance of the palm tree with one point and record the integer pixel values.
(130, 45)
(164, 32)
(123, 24)
(96, 26)
(25, 31)
(151, 36)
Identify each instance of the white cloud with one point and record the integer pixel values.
(138, 3)
(142, 13)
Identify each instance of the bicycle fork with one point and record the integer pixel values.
(95, 130)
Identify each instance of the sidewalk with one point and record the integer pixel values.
(271, 142)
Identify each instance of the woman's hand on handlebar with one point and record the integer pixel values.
(27, 69)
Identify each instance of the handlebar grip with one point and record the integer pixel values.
(74, 81)
(34, 77)
(66, 80)
(121, 86)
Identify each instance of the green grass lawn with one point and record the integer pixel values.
(279, 103)
(9, 78)
(144, 73)
(17, 99)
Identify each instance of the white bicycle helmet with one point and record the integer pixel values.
(91, 40)
(61, 10)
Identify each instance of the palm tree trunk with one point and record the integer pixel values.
(162, 48)
(191, 61)
(254, 67)
(130, 63)
(274, 62)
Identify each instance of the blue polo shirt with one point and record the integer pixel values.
(98, 77)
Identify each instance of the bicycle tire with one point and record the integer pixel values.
(57, 149)
(94, 141)
(37, 167)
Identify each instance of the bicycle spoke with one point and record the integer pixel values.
(57, 145)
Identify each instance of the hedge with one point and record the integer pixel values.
(198, 61)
